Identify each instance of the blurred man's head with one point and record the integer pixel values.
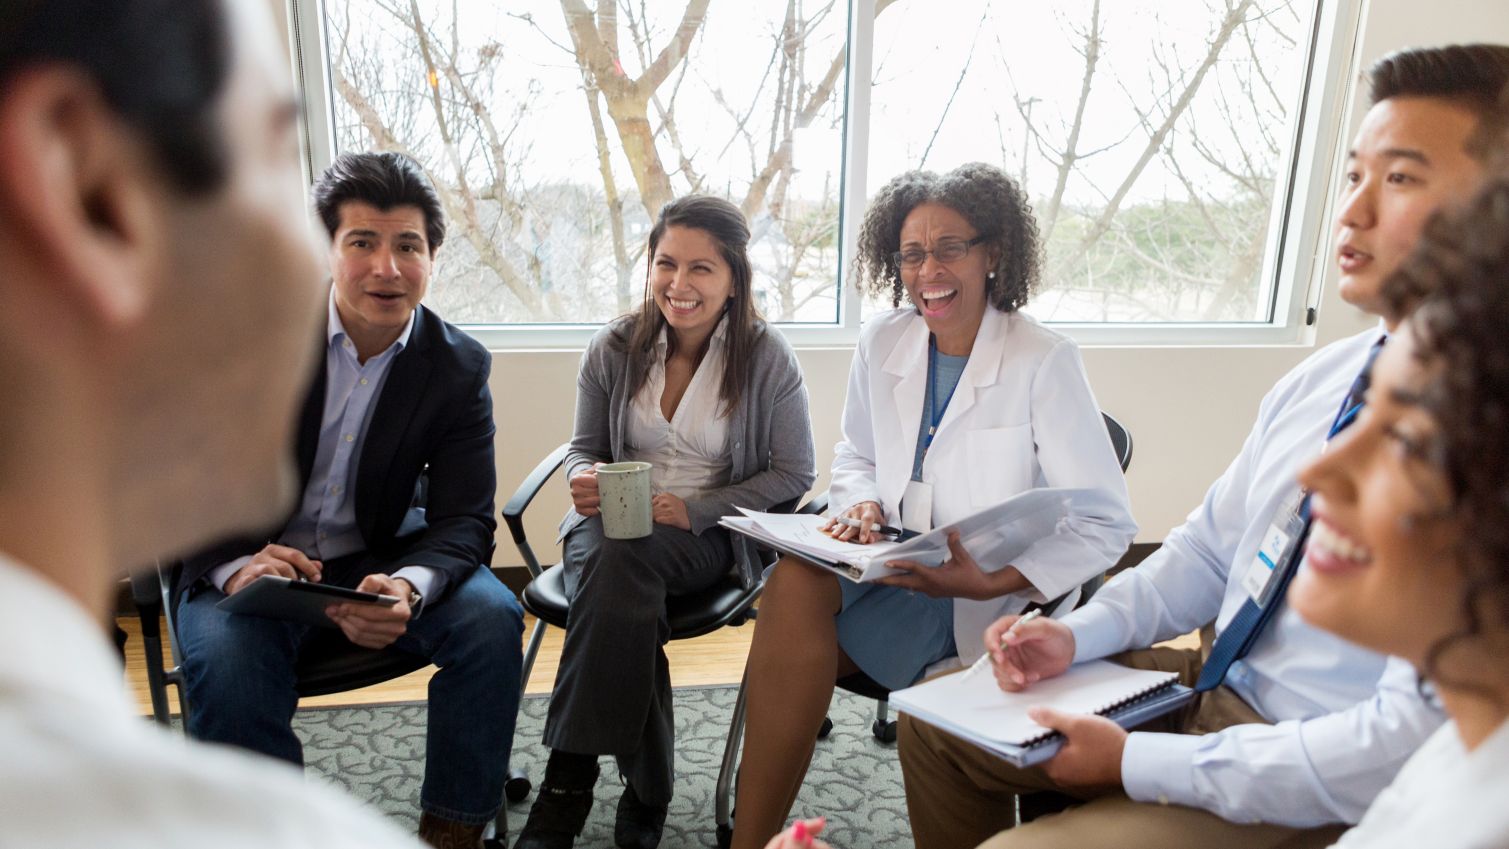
(1415, 152)
(161, 286)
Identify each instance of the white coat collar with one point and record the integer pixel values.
(909, 354)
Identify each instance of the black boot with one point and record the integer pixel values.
(562, 803)
(638, 825)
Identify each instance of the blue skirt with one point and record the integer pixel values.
(893, 634)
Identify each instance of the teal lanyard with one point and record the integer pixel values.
(934, 412)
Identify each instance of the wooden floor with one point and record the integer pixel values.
(717, 658)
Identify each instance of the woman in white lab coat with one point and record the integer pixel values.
(956, 401)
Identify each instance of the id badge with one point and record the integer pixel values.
(1277, 545)
(917, 507)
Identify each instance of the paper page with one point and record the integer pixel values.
(998, 534)
(979, 708)
(804, 532)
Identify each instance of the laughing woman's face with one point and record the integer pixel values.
(1381, 565)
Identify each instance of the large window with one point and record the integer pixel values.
(1157, 139)
(556, 131)
(1150, 135)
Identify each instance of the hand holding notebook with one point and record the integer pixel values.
(978, 710)
(1092, 749)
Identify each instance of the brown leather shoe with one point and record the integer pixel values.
(446, 834)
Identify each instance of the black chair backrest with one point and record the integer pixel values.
(1121, 440)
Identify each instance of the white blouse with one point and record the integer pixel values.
(690, 452)
(1444, 798)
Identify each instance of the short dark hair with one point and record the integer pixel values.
(161, 65)
(987, 197)
(1491, 143)
(1469, 75)
(384, 180)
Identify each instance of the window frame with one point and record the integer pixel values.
(1294, 259)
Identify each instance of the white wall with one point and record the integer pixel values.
(1188, 408)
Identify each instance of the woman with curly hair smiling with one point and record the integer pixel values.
(956, 402)
(1409, 547)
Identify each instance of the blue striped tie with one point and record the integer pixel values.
(1244, 628)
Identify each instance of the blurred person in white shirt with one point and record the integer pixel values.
(161, 285)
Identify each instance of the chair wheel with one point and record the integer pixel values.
(884, 731)
(725, 836)
(516, 788)
(826, 729)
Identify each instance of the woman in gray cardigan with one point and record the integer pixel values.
(697, 384)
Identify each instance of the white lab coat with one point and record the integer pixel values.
(1023, 416)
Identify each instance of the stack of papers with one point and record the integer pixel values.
(802, 535)
(994, 536)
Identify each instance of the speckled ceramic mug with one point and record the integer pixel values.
(625, 492)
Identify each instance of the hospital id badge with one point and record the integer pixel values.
(917, 507)
(1274, 549)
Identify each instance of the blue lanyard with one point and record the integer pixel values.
(1346, 415)
(934, 413)
(1344, 418)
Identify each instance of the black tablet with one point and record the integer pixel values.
(276, 597)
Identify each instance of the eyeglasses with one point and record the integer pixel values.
(949, 250)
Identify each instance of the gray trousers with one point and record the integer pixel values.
(613, 688)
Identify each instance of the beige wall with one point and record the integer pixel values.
(1188, 408)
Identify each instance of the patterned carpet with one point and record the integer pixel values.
(378, 754)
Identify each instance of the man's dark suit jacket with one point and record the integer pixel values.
(435, 410)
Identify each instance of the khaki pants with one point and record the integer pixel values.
(960, 796)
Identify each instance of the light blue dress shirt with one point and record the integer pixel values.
(325, 526)
(1344, 719)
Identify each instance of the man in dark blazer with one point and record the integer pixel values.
(395, 451)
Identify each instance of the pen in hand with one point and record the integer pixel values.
(874, 527)
(984, 659)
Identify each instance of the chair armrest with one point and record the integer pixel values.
(818, 504)
(513, 511)
(147, 595)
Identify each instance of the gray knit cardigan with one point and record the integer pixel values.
(769, 434)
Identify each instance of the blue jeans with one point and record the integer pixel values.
(239, 678)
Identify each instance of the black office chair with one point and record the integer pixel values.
(328, 663)
(726, 603)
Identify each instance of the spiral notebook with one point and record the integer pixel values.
(978, 710)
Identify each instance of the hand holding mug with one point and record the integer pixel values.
(584, 495)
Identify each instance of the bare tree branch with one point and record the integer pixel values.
(1234, 17)
(963, 72)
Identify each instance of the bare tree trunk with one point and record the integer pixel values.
(628, 99)
(1070, 156)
